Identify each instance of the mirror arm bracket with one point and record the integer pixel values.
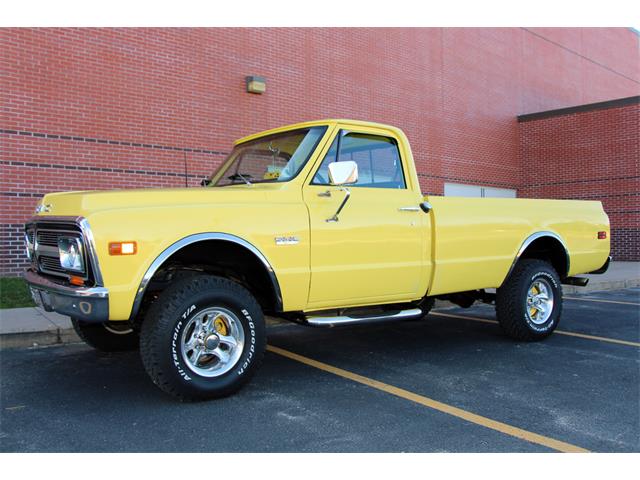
(347, 194)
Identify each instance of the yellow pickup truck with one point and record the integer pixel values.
(321, 223)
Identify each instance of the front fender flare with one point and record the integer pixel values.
(195, 238)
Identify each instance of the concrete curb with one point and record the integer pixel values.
(33, 327)
(38, 339)
(61, 336)
(602, 286)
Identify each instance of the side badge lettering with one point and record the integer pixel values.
(287, 240)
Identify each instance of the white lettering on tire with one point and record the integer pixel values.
(252, 347)
(189, 310)
(174, 347)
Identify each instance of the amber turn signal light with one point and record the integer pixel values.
(123, 248)
(73, 280)
(602, 235)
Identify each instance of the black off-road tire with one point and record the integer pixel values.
(511, 301)
(107, 337)
(162, 329)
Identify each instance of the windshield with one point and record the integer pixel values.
(275, 158)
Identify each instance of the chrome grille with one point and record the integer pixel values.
(49, 238)
(47, 257)
(50, 264)
(45, 230)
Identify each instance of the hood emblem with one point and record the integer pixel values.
(289, 240)
(44, 208)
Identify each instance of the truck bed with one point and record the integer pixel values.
(474, 240)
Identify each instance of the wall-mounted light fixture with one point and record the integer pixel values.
(256, 84)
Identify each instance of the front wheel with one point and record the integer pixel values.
(203, 338)
(529, 303)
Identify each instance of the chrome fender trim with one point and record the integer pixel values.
(529, 240)
(200, 237)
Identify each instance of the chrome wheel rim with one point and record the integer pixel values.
(212, 342)
(539, 301)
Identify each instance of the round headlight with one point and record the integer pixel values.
(71, 256)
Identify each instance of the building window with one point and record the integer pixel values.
(462, 190)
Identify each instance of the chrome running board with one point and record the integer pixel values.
(359, 320)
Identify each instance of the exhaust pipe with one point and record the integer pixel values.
(578, 281)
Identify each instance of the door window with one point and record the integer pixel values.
(378, 160)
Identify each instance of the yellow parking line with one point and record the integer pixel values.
(600, 339)
(601, 301)
(433, 404)
(559, 332)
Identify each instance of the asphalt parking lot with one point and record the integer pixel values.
(450, 383)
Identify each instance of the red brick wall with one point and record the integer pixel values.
(590, 155)
(105, 108)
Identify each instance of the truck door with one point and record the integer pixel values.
(375, 251)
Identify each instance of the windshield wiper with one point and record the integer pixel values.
(244, 178)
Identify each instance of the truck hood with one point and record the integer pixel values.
(85, 203)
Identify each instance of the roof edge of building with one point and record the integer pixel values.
(616, 103)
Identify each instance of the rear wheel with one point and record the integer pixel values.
(107, 337)
(529, 304)
(204, 337)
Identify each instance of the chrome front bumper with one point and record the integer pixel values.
(82, 303)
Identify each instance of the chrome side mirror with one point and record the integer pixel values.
(343, 173)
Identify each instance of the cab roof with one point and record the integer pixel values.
(329, 122)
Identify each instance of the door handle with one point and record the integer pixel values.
(409, 209)
(325, 194)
